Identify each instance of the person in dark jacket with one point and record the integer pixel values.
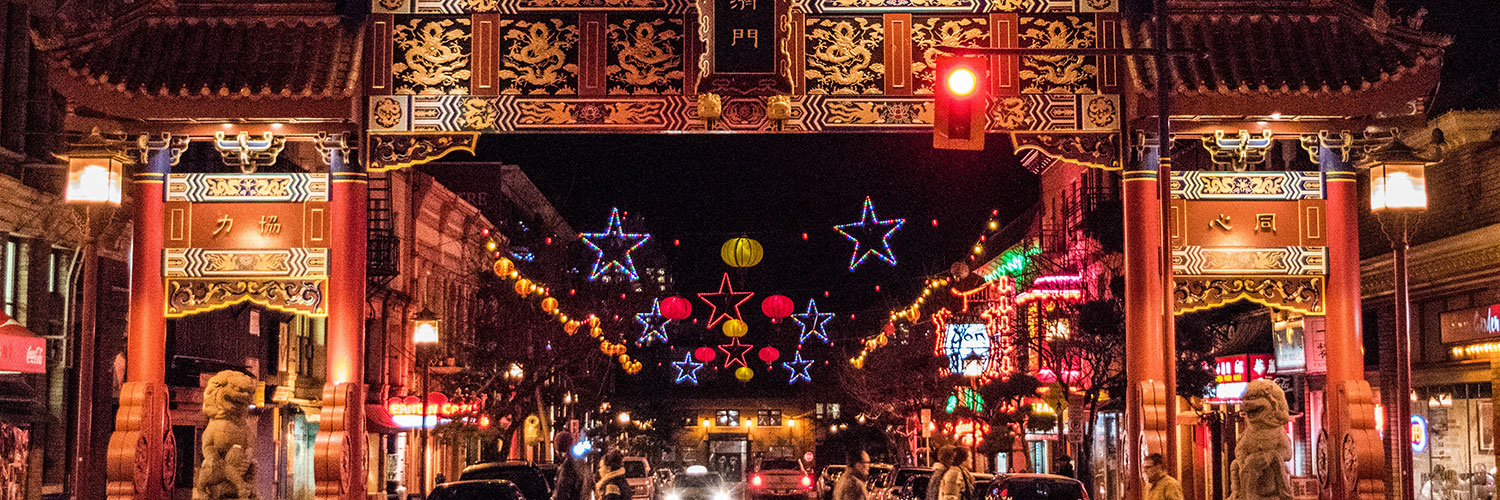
(851, 484)
(570, 477)
(612, 484)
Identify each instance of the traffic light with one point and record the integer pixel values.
(958, 118)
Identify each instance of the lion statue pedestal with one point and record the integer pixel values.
(1259, 470)
(227, 471)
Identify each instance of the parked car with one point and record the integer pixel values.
(894, 480)
(915, 486)
(549, 472)
(638, 474)
(523, 474)
(482, 489)
(1035, 487)
(877, 476)
(779, 478)
(826, 480)
(697, 483)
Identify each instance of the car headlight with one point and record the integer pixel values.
(722, 495)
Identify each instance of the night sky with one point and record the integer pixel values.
(704, 189)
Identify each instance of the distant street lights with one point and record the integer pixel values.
(1398, 190)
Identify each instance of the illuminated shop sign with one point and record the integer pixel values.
(1233, 373)
(1418, 434)
(1471, 325)
(407, 411)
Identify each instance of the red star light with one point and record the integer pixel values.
(722, 301)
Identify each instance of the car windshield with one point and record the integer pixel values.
(779, 464)
(635, 468)
(1040, 489)
(486, 490)
(697, 481)
(525, 477)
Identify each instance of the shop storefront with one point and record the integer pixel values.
(1453, 447)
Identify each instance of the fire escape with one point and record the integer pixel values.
(1063, 227)
(382, 261)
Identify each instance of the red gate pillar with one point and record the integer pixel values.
(1350, 456)
(142, 454)
(340, 469)
(1147, 423)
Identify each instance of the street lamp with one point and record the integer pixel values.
(424, 336)
(1398, 189)
(95, 170)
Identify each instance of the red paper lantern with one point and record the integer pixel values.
(704, 354)
(769, 354)
(676, 308)
(776, 306)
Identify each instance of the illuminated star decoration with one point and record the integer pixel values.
(614, 247)
(731, 359)
(687, 369)
(799, 368)
(722, 302)
(864, 234)
(812, 323)
(654, 325)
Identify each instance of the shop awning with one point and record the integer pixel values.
(378, 420)
(20, 350)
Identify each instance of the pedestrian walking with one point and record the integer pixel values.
(569, 482)
(935, 481)
(1161, 486)
(958, 482)
(612, 484)
(851, 484)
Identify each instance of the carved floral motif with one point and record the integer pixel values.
(646, 57)
(397, 151)
(187, 296)
(387, 113)
(432, 56)
(845, 56)
(879, 113)
(540, 56)
(1298, 293)
(479, 114)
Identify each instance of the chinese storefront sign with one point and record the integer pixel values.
(230, 238)
(1233, 373)
(407, 411)
(744, 36)
(1256, 236)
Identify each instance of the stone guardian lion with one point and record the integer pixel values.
(227, 471)
(1259, 470)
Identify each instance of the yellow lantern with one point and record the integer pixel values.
(735, 328)
(625, 359)
(503, 267)
(593, 321)
(741, 252)
(571, 327)
(549, 305)
(523, 287)
(596, 332)
(744, 374)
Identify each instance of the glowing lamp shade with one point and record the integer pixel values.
(425, 327)
(93, 177)
(1398, 178)
(961, 81)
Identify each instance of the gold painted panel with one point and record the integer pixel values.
(845, 55)
(929, 33)
(432, 55)
(538, 56)
(645, 56)
(1059, 74)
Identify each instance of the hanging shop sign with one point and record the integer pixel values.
(1298, 343)
(231, 238)
(407, 411)
(20, 350)
(1233, 373)
(1471, 325)
(1255, 235)
(980, 342)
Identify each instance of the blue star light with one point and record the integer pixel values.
(687, 369)
(864, 234)
(614, 246)
(812, 323)
(654, 325)
(799, 368)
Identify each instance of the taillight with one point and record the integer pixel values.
(806, 481)
(755, 481)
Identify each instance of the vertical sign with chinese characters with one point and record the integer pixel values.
(744, 36)
(232, 238)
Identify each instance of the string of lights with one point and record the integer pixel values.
(524, 287)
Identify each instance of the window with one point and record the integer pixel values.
(727, 418)
(768, 417)
(14, 289)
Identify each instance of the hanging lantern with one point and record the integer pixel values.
(625, 359)
(741, 252)
(594, 321)
(735, 328)
(889, 330)
(549, 305)
(776, 307)
(769, 354)
(571, 327)
(744, 374)
(523, 287)
(596, 332)
(676, 308)
(704, 354)
(504, 267)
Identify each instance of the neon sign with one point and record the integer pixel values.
(1418, 434)
(980, 345)
(407, 412)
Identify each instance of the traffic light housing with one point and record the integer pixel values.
(961, 98)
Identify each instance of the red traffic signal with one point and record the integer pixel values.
(960, 101)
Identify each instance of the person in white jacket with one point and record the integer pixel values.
(958, 482)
